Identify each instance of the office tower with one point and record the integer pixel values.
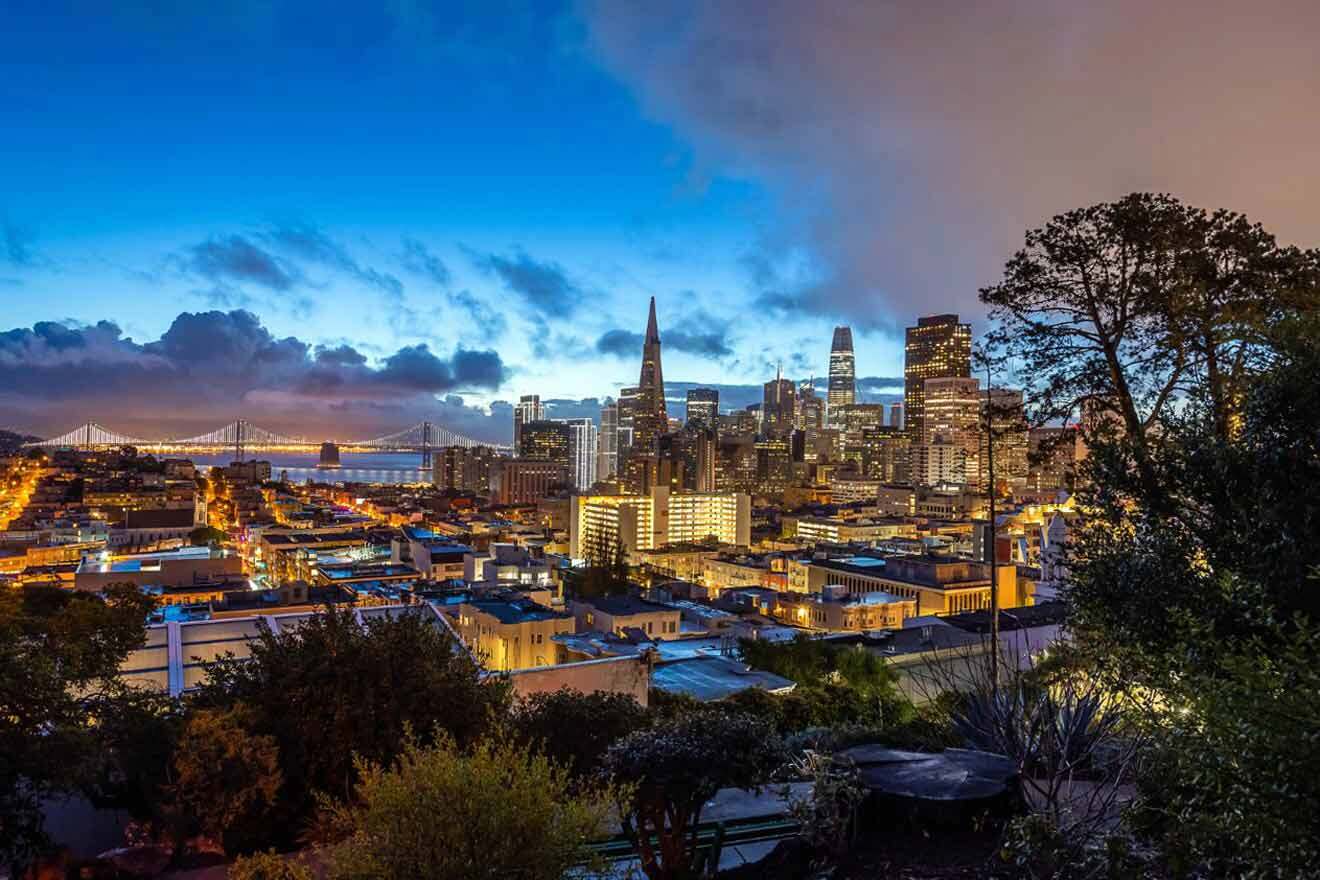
(687, 459)
(779, 408)
(649, 417)
(607, 442)
(859, 416)
(885, 454)
(581, 452)
(896, 415)
(842, 388)
(938, 347)
(528, 409)
(545, 441)
(703, 407)
(1052, 459)
(938, 463)
(1003, 409)
(523, 481)
(810, 409)
(954, 411)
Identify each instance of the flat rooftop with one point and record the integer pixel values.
(513, 611)
(710, 678)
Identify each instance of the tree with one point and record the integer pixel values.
(335, 688)
(204, 535)
(496, 811)
(60, 653)
(1120, 310)
(575, 729)
(674, 768)
(606, 572)
(226, 779)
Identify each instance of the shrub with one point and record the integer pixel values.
(226, 778)
(828, 814)
(499, 811)
(574, 729)
(269, 866)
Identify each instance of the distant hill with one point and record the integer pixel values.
(9, 440)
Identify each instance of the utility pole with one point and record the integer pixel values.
(990, 528)
(238, 440)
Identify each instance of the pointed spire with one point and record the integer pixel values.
(652, 331)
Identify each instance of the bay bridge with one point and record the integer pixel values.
(244, 437)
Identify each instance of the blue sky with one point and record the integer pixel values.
(416, 183)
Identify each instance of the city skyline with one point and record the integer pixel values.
(345, 219)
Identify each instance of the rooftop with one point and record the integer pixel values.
(512, 611)
(626, 605)
(710, 678)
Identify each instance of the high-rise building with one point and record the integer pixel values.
(649, 416)
(1003, 409)
(607, 442)
(953, 416)
(581, 452)
(843, 372)
(545, 440)
(896, 415)
(528, 409)
(778, 408)
(703, 407)
(810, 409)
(464, 468)
(938, 347)
(524, 481)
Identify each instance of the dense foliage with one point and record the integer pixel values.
(493, 811)
(60, 654)
(575, 729)
(1191, 341)
(334, 689)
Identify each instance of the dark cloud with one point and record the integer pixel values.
(907, 146)
(568, 408)
(699, 334)
(544, 285)
(419, 260)
(235, 258)
(217, 365)
(486, 319)
(311, 244)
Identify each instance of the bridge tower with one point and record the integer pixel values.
(426, 446)
(239, 431)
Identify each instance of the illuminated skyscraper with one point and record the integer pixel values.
(528, 409)
(779, 408)
(545, 441)
(953, 416)
(703, 406)
(649, 416)
(581, 452)
(843, 372)
(937, 348)
(607, 444)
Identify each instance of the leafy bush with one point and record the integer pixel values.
(226, 779)
(499, 811)
(334, 688)
(269, 866)
(829, 813)
(575, 729)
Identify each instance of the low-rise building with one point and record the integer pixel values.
(506, 634)
(834, 609)
(941, 585)
(614, 614)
